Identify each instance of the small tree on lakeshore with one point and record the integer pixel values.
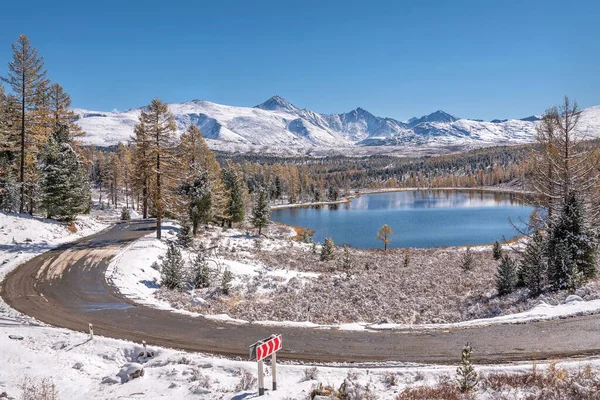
(497, 251)
(172, 268)
(347, 261)
(467, 261)
(467, 377)
(506, 277)
(261, 212)
(384, 235)
(327, 250)
(406, 261)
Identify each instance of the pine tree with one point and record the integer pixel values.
(125, 215)
(172, 272)
(533, 265)
(65, 185)
(466, 376)
(333, 193)
(497, 251)
(226, 281)
(261, 211)
(26, 77)
(327, 250)
(200, 273)
(306, 237)
(467, 260)
(384, 235)
(571, 247)
(506, 277)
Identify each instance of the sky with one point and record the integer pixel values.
(474, 59)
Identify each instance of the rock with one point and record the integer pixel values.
(580, 292)
(109, 380)
(15, 337)
(573, 299)
(200, 390)
(78, 366)
(130, 371)
(318, 397)
(3, 395)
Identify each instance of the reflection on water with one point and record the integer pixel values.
(422, 218)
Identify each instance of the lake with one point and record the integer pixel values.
(421, 218)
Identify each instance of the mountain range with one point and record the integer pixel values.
(279, 125)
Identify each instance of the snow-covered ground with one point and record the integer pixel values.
(36, 356)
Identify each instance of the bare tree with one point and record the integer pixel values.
(564, 161)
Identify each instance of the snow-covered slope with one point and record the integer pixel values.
(277, 123)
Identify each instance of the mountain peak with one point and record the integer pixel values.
(437, 116)
(277, 103)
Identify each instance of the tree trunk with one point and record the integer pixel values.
(22, 169)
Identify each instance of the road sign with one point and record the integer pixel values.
(264, 348)
(259, 351)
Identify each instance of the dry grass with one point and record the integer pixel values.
(433, 288)
(553, 383)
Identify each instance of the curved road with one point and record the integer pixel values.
(66, 287)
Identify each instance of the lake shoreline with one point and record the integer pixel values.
(359, 192)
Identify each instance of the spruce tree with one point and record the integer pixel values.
(533, 266)
(226, 281)
(506, 277)
(125, 215)
(467, 260)
(236, 188)
(199, 198)
(466, 376)
(346, 262)
(571, 246)
(172, 272)
(200, 273)
(184, 235)
(65, 185)
(27, 79)
(261, 211)
(327, 250)
(497, 251)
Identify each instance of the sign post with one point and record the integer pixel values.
(261, 350)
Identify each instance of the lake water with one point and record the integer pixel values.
(423, 218)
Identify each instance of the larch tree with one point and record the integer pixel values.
(384, 235)
(142, 163)
(26, 76)
(161, 132)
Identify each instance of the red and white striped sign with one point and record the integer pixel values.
(267, 347)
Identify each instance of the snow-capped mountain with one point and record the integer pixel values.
(277, 123)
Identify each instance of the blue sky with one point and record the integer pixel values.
(476, 59)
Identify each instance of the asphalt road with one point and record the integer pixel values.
(66, 287)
